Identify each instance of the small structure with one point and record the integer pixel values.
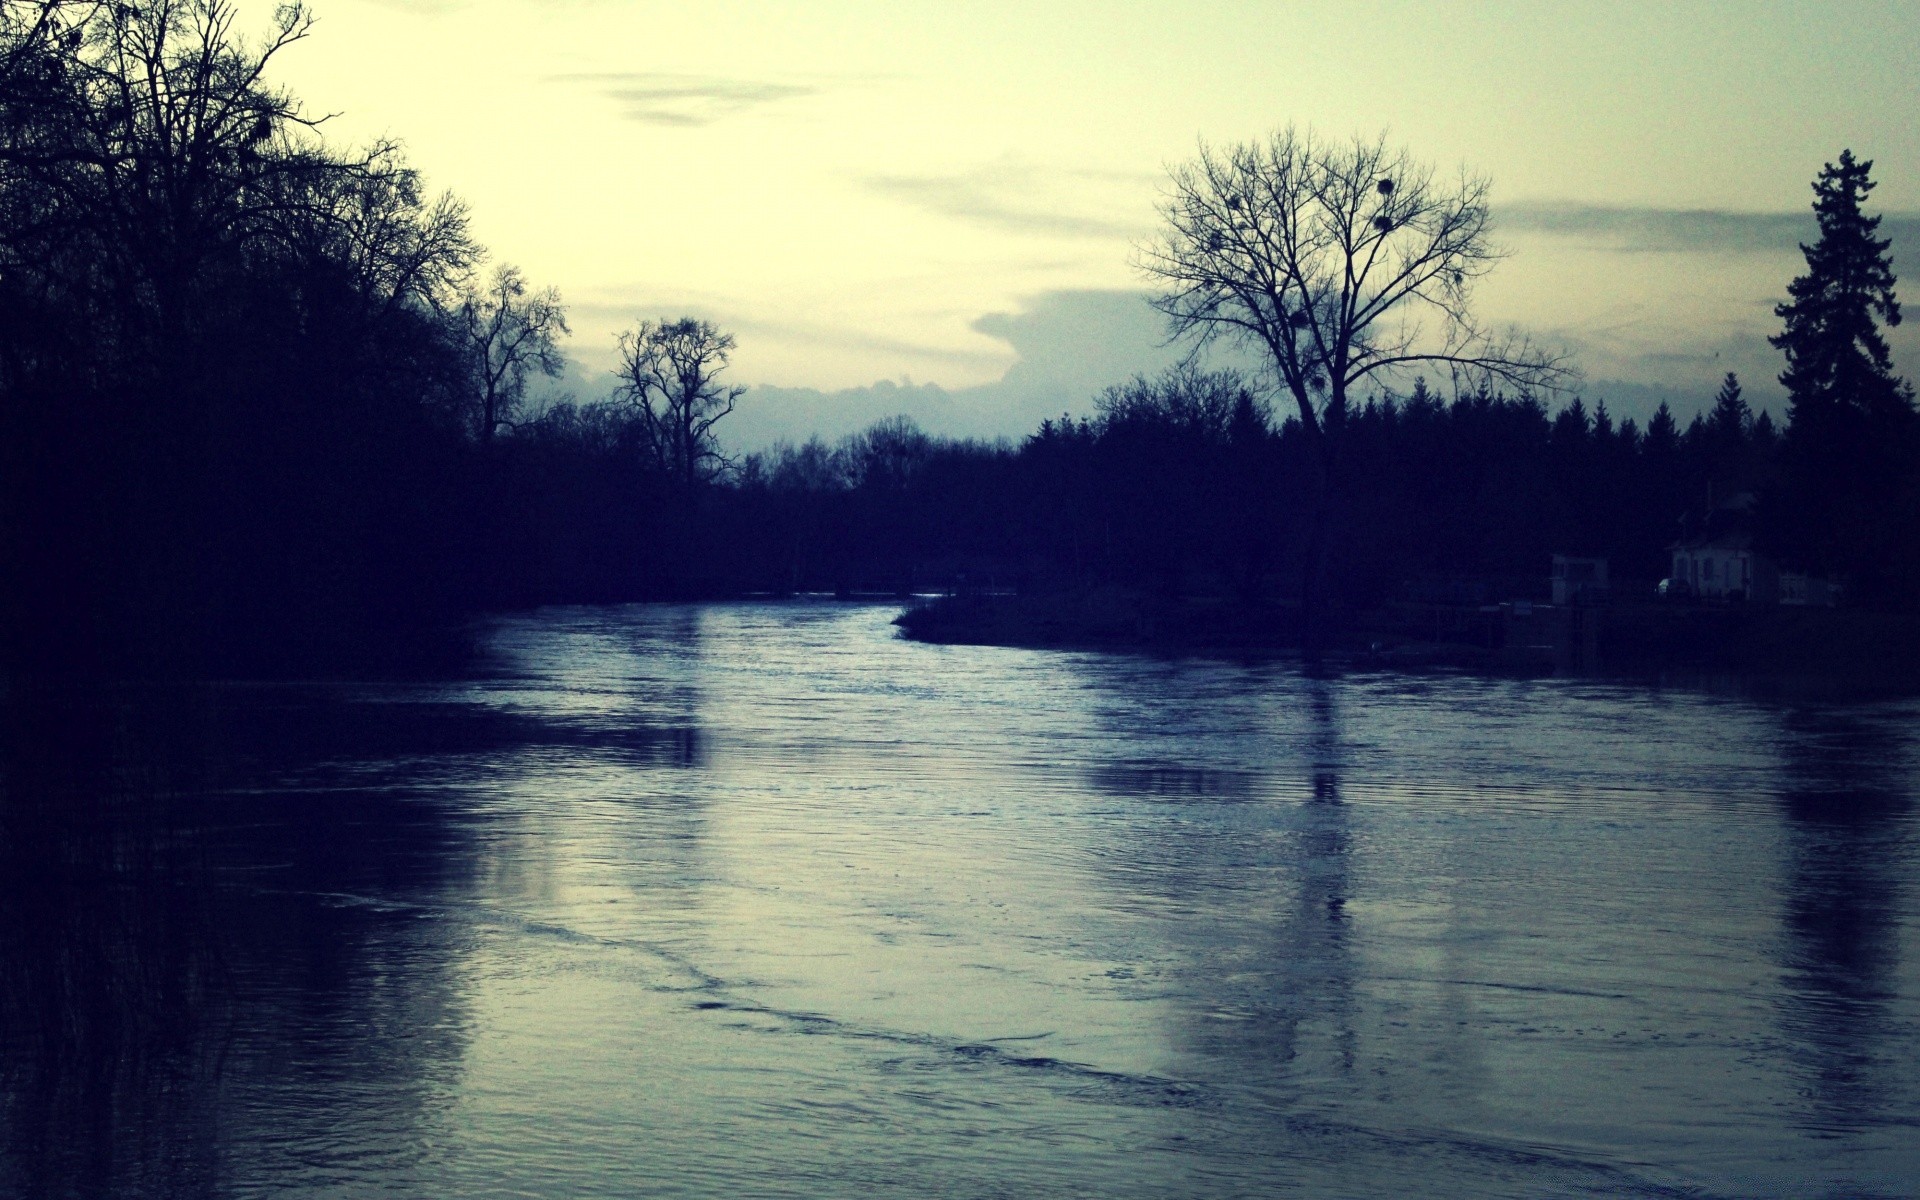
(1725, 568)
(1579, 580)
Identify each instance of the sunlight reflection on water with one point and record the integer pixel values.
(759, 899)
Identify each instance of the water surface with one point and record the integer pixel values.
(761, 900)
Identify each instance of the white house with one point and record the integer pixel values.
(1724, 568)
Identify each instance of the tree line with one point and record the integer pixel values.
(1321, 485)
(257, 388)
(1187, 484)
(265, 404)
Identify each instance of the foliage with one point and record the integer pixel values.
(1848, 500)
(224, 398)
(1837, 360)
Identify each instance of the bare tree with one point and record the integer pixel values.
(667, 373)
(32, 34)
(1339, 264)
(146, 161)
(507, 332)
(144, 141)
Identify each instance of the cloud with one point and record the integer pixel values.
(859, 340)
(1659, 229)
(1011, 196)
(1682, 230)
(685, 101)
(1069, 345)
(768, 414)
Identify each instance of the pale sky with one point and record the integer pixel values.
(872, 191)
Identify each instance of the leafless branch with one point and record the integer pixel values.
(1341, 262)
(667, 376)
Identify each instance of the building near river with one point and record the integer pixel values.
(1726, 567)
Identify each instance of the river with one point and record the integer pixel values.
(762, 900)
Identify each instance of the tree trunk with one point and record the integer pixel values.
(1314, 613)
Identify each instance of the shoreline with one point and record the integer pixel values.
(1796, 650)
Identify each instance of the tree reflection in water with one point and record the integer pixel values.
(1848, 825)
(195, 998)
(1280, 994)
(742, 899)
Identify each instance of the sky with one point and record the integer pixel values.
(931, 207)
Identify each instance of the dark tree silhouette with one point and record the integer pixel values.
(1730, 416)
(1837, 361)
(1847, 504)
(223, 386)
(508, 332)
(668, 375)
(1340, 264)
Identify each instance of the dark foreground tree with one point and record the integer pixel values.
(1731, 416)
(1847, 498)
(225, 398)
(1341, 264)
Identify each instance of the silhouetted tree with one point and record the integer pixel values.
(1340, 263)
(668, 373)
(1731, 458)
(1663, 432)
(1730, 416)
(1837, 361)
(1847, 504)
(222, 380)
(508, 332)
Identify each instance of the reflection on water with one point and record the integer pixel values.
(762, 900)
(1848, 804)
(184, 967)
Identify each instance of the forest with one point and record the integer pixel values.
(266, 405)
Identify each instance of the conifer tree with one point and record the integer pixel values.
(1846, 501)
(1731, 417)
(1726, 443)
(1663, 433)
(1837, 361)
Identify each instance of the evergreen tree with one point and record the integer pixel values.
(1663, 434)
(1837, 362)
(1726, 445)
(1571, 427)
(1731, 417)
(1845, 505)
(1695, 438)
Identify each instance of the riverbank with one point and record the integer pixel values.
(1855, 649)
(1104, 618)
